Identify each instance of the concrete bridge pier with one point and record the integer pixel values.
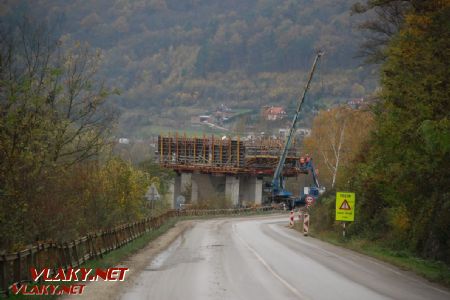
(194, 189)
(239, 189)
(206, 187)
(174, 191)
(250, 190)
(186, 183)
(232, 189)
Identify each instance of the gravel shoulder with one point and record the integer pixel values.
(136, 263)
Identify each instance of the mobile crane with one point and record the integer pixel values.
(279, 192)
(315, 190)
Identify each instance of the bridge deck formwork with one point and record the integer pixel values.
(211, 155)
(232, 168)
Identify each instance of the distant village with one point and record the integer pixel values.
(221, 118)
(224, 115)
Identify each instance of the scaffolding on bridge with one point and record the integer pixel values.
(225, 155)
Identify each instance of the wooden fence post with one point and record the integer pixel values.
(75, 254)
(3, 275)
(17, 268)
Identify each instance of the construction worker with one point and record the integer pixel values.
(307, 159)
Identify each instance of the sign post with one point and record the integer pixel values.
(345, 208)
(152, 195)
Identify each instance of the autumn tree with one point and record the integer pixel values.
(336, 137)
(53, 116)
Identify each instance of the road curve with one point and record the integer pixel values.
(260, 258)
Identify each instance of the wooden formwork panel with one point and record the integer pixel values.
(176, 150)
(219, 155)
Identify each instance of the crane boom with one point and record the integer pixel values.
(277, 182)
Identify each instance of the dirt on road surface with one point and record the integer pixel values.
(136, 263)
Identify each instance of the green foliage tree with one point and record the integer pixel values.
(403, 179)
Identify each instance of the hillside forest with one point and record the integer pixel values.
(172, 59)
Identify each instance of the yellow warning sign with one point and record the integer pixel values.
(345, 206)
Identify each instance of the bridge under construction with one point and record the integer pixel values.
(231, 168)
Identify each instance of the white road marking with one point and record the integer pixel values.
(278, 229)
(269, 268)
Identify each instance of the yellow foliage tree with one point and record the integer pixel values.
(336, 138)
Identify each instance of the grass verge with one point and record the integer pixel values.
(114, 257)
(434, 271)
(118, 255)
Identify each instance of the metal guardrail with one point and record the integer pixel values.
(15, 267)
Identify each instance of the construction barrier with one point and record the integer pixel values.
(291, 219)
(305, 224)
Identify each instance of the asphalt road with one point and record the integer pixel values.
(261, 258)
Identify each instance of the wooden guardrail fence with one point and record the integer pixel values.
(15, 267)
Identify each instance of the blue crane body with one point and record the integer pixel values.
(279, 192)
(315, 190)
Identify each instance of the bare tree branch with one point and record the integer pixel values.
(386, 18)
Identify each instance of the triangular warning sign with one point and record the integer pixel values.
(345, 206)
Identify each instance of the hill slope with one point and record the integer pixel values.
(175, 58)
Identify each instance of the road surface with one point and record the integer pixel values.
(260, 258)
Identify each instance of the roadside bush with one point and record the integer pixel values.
(323, 214)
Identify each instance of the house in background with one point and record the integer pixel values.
(356, 103)
(222, 114)
(303, 131)
(205, 118)
(124, 141)
(283, 132)
(273, 113)
(197, 120)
